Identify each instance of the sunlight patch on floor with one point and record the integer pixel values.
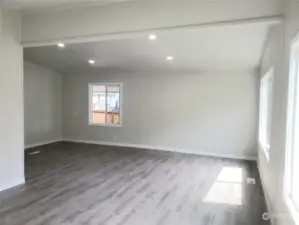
(228, 187)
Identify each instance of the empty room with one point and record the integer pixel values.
(142, 112)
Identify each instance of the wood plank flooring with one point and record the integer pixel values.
(71, 183)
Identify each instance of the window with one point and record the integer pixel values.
(266, 111)
(105, 104)
(292, 140)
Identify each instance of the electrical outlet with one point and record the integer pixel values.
(250, 180)
(266, 216)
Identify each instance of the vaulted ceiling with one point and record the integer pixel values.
(228, 47)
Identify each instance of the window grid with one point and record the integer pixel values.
(97, 110)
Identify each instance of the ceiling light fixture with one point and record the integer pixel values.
(152, 37)
(169, 58)
(61, 45)
(91, 61)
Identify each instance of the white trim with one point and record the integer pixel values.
(90, 85)
(12, 184)
(105, 125)
(151, 147)
(292, 209)
(106, 105)
(295, 40)
(89, 103)
(43, 143)
(162, 148)
(290, 128)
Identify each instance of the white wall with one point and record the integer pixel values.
(43, 105)
(208, 113)
(11, 101)
(134, 16)
(277, 53)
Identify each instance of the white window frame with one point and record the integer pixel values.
(293, 99)
(90, 117)
(265, 115)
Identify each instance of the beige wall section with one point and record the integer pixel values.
(210, 113)
(11, 101)
(277, 53)
(43, 105)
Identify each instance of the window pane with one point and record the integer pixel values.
(98, 104)
(269, 107)
(113, 104)
(265, 110)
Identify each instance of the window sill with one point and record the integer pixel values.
(105, 125)
(266, 150)
(292, 209)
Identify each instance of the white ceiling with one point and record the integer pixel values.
(37, 5)
(227, 47)
(33, 6)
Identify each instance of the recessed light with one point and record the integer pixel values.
(60, 45)
(169, 58)
(91, 61)
(152, 37)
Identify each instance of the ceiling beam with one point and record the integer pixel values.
(133, 19)
(142, 33)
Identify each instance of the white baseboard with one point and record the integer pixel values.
(162, 148)
(12, 184)
(43, 143)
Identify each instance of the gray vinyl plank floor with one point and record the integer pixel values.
(71, 183)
